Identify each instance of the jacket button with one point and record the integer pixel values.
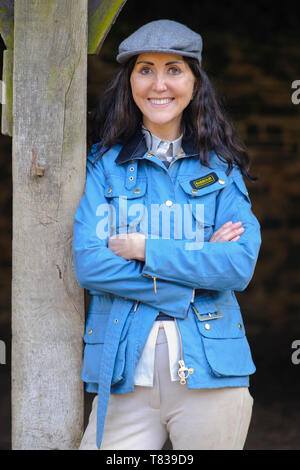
(109, 191)
(221, 181)
(90, 332)
(116, 320)
(130, 178)
(169, 203)
(240, 326)
(207, 326)
(149, 155)
(194, 190)
(137, 191)
(131, 168)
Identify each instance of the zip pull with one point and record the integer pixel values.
(136, 304)
(154, 280)
(181, 372)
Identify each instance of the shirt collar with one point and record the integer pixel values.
(136, 147)
(153, 142)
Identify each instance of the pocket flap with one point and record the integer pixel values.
(213, 180)
(229, 357)
(116, 188)
(95, 328)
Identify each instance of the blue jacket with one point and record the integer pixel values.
(184, 275)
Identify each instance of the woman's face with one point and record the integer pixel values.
(162, 86)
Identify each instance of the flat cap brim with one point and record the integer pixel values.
(161, 36)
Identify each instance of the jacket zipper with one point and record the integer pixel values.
(182, 367)
(179, 158)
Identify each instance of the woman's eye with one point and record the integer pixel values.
(174, 70)
(145, 70)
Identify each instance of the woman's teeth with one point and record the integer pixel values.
(161, 101)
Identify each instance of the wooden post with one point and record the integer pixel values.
(7, 33)
(44, 71)
(49, 158)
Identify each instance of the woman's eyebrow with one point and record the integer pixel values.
(174, 62)
(145, 62)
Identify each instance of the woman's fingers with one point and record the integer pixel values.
(228, 232)
(128, 245)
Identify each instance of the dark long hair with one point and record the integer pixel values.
(117, 117)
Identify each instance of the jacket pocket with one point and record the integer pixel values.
(128, 209)
(94, 340)
(94, 336)
(225, 344)
(201, 202)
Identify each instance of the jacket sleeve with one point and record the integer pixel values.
(99, 269)
(218, 265)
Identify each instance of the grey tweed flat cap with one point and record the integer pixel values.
(161, 36)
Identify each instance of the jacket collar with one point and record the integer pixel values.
(136, 147)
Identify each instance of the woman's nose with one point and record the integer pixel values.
(159, 83)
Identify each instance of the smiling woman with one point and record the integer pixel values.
(166, 351)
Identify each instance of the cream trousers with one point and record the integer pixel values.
(204, 419)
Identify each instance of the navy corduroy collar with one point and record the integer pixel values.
(136, 147)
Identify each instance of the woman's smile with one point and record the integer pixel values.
(160, 102)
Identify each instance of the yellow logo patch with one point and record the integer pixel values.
(206, 180)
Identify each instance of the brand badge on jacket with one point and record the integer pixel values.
(204, 181)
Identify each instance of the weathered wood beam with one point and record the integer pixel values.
(49, 159)
(7, 33)
(7, 22)
(101, 16)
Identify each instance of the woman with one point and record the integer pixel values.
(163, 236)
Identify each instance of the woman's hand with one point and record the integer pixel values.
(128, 245)
(228, 232)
